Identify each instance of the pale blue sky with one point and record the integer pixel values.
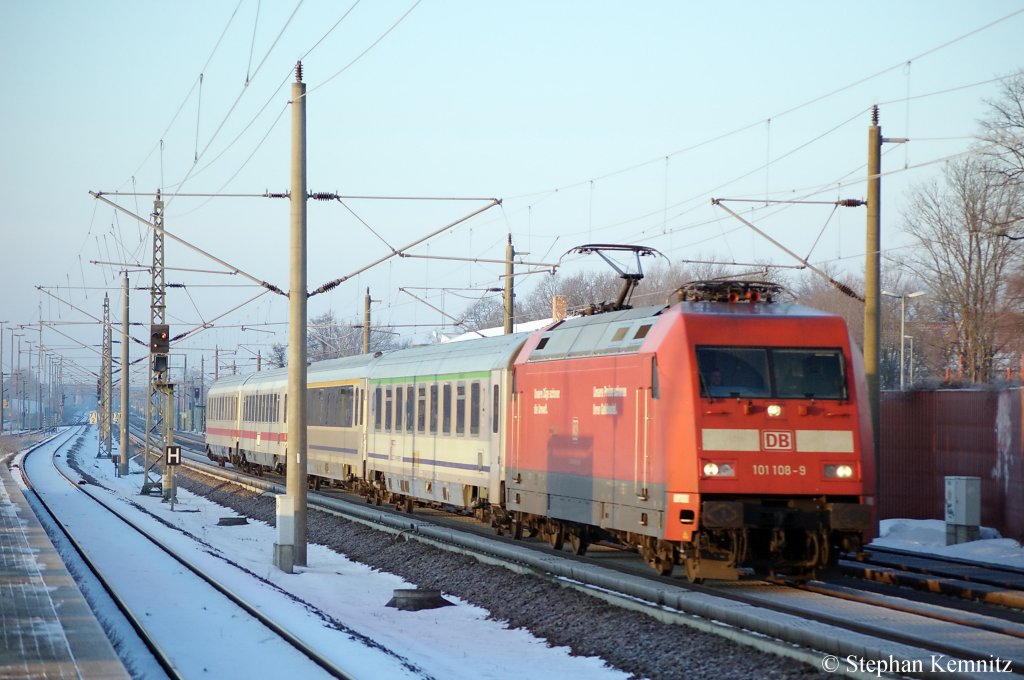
(511, 100)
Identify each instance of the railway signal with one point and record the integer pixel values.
(160, 338)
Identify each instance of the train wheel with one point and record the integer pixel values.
(516, 526)
(556, 535)
(660, 556)
(579, 540)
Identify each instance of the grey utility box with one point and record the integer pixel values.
(963, 509)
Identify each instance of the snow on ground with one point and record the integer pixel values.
(929, 536)
(451, 642)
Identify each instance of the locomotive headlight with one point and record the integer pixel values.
(838, 471)
(719, 470)
(774, 410)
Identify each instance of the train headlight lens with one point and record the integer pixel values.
(719, 470)
(838, 471)
(774, 410)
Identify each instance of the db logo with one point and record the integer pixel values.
(779, 440)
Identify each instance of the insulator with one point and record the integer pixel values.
(322, 196)
(298, 71)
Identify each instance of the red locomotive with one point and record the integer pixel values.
(720, 432)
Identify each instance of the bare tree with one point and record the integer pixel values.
(278, 355)
(811, 290)
(487, 312)
(965, 260)
(1003, 131)
(328, 338)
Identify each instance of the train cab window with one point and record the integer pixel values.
(782, 373)
(733, 371)
(642, 331)
(474, 409)
(460, 409)
(446, 408)
(410, 408)
(421, 409)
(433, 409)
(620, 334)
(495, 403)
(809, 374)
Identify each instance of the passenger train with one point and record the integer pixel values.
(723, 432)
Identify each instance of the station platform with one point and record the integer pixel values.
(47, 629)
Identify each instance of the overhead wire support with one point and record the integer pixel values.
(269, 286)
(842, 287)
(842, 203)
(443, 313)
(42, 289)
(746, 264)
(331, 285)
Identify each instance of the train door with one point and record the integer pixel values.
(491, 430)
(641, 452)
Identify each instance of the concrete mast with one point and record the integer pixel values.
(290, 550)
(122, 468)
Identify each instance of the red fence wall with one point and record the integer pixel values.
(927, 436)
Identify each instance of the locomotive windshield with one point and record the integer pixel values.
(771, 372)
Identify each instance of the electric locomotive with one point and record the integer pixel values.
(721, 432)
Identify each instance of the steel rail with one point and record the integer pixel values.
(148, 640)
(165, 662)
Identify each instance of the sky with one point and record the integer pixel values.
(349, 593)
(593, 122)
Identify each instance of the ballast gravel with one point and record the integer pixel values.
(628, 641)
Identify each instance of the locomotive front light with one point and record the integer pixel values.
(719, 470)
(774, 410)
(838, 471)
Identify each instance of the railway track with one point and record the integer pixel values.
(843, 621)
(203, 601)
(970, 580)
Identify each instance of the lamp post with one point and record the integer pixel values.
(903, 322)
(911, 338)
(2, 377)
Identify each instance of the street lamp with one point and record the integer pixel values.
(911, 338)
(903, 322)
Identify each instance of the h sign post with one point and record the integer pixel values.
(173, 455)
